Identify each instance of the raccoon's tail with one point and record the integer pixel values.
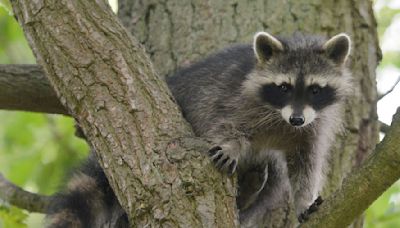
(88, 201)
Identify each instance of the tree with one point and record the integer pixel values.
(91, 59)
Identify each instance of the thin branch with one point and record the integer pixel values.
(26, 88)
(390, 90)
(20, 198)
(383, 127)
(364, 185)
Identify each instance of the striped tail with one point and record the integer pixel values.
(88, 201)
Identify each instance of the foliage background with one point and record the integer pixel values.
(37, 151)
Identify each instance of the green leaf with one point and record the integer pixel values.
(12, 217)
(7, 6)
(385, 211)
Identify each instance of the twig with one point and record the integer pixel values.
(383, 127)
(390, 90)
(23, 199)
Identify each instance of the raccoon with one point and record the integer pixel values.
(272, 110)
(274, 106)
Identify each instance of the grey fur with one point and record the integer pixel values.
(219, 96)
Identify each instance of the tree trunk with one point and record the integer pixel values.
(107, 83)
(176, 33)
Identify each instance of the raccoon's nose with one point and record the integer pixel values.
(296, 120)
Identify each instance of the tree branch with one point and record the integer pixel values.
(364, 185)
(21, 198)
(383, 127)
(390, 90)
(25, 88)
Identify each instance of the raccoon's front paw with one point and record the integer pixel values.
(223, 160)
(313, 208)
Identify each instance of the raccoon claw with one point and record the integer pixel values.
(313, 208)
(315, 205)
(318, 201)
(303, 217)
(232, 167)
(214, 150)
(222, 162)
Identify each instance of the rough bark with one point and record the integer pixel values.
(25, 88)
(176, 33)
(102, 75)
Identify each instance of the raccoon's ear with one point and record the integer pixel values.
(265, 46)
(338, 48)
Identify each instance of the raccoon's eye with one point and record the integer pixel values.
(284, 87)
(315, 89)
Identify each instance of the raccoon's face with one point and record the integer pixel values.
(298, 103)
(301, 76)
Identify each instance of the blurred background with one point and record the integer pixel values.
(36, 150)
